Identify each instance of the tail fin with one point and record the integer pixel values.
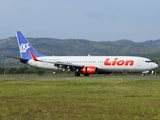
(25, 48)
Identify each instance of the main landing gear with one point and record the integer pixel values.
(78, 74)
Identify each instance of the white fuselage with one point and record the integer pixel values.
(105, 63)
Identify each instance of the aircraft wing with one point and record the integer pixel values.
(59, 64)
(64, 65)
(68, 65)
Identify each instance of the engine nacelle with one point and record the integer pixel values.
(89, 70)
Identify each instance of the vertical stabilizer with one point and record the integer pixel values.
(25, 47)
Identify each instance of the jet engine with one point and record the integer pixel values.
(89, 70)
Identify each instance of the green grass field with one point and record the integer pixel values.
(80, 99)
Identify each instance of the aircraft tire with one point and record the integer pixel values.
(143, 75)
(86, 74)
(77, 74)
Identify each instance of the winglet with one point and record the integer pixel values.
(33, 56)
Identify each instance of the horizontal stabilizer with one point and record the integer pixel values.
(23, 60)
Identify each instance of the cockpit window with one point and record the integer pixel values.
(148, 61)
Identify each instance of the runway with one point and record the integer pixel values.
(73, 77)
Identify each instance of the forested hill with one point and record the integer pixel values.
(51, 46)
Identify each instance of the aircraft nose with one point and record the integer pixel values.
(155, 65)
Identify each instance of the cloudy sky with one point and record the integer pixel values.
(97, 20)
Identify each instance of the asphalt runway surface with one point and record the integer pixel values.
(73, 77)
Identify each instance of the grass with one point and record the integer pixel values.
(80, 98)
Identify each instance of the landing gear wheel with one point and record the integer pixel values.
(77, 74)
(86, 74)
(143, 75)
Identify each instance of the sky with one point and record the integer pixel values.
(95, 20)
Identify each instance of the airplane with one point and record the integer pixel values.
(82, 64)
